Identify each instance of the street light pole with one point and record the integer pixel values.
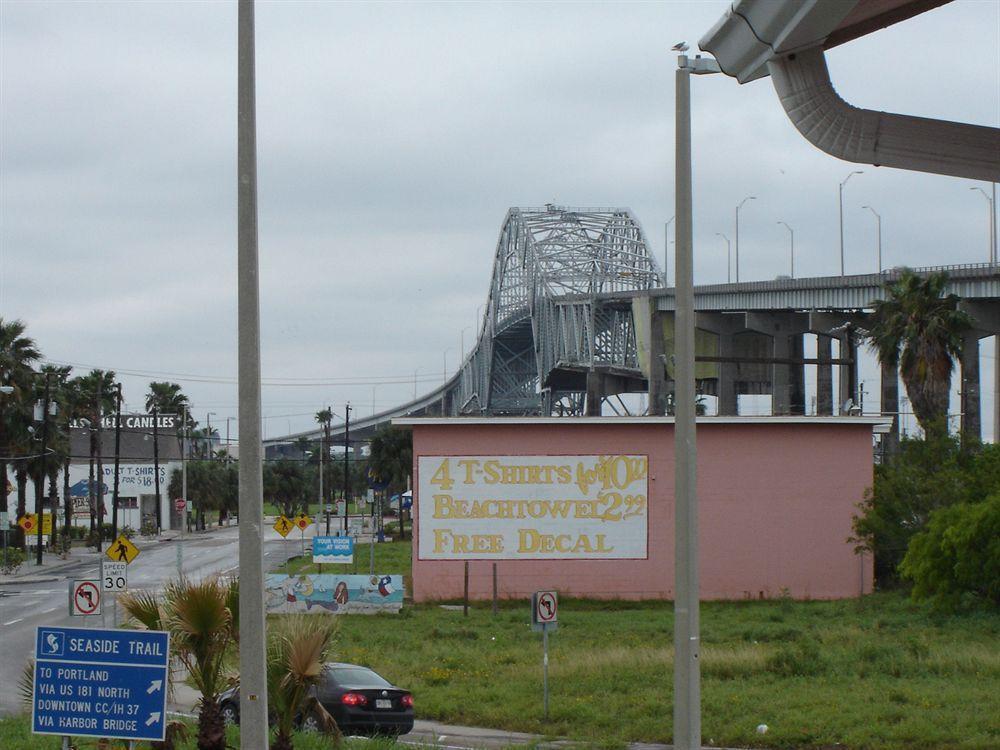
(878, 236)
(666, 250)
(841, 204)
(156, 465)
(791, 250)
(992, 203)
(253, 654)
(118, 451)
(40, 483)
(687, 675)
(729, 257)
(347, 473)
(748, 198)
(444, 364)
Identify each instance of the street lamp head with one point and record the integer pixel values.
(6, 389)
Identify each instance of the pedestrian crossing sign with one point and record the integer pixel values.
(122, 550)
(282, 525)
(303, 521)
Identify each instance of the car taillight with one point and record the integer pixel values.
(353, 699)
(407, 700)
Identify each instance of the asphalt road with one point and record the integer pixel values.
(23, 607)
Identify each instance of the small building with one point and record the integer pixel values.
(586, 506)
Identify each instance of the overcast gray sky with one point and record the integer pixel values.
(392, 140)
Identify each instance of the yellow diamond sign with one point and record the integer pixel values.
(282, 525)
(122, 550)
(29, 522)
(303, 521)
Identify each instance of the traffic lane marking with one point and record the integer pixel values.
(11, 622)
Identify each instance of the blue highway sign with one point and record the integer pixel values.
(100, 683)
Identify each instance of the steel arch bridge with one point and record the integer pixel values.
(544, 328)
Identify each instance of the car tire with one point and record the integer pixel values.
(310, 724)
(230, 715)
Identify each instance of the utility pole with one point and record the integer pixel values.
(184, 494)
(253, 655)
(118, 450)
(347, 473)
(100, 464)
(156, 464)
(40, 484)
(322, 505)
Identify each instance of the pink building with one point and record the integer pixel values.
(776, 496)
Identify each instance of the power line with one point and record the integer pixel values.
(280, 382)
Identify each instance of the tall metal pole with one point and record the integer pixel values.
(100, 465)
(791, 251)
(253, 684)
(156, 464)
(40, 484)
(666, 250)
(347, 473)
(322, 507)
(878, 236)
(687, 676)
(118, 451)
(748, 198)
(840, 195)
(729, 258)
(184, 494)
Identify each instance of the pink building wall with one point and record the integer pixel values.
(776, 497)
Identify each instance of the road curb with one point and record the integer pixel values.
(29, 579)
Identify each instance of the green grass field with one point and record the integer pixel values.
(879, 673)
(15, 734)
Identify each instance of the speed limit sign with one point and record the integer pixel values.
(114, 576)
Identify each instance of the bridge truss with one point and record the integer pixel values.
(544, 328)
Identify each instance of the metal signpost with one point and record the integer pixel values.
(100, 683)
(114, 578)
(545, 617)
(303, 522)
(84, 598)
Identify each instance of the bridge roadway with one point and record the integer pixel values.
(830, 307)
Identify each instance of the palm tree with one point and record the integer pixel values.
(18, 354)
(167, 398)
(325, 418)
(920, 329)
(298, 648)
(97, 391)
(391, 460)
(202, 619)
(58, 440)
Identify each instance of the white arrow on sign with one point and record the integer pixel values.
(154, 686)
(153, 718)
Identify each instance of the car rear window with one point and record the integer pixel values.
(357, 677)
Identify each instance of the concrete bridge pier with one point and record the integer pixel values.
(725, 326)
(848, 372)
(890, 406)
(824, 376)
(971, 420)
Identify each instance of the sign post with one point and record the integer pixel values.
(100, 683)
(303, 522)
(545, 617)
(84, 598)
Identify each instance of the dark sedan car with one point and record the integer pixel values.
(361, 701)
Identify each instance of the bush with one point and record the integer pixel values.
(924, 476)
(14, 560)
(957, 559)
